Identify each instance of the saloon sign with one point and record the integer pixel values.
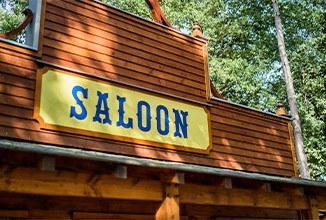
(79, 104)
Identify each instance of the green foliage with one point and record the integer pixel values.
(136, 7)
(244, 61)
(11, 16)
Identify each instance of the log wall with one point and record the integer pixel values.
(90, 37)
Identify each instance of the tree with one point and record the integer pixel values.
(243, 55)
(11, 15)
(244, 59)
(302, 159)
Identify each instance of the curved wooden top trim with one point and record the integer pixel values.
(157, 12)
(28, 19)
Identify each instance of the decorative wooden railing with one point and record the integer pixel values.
(28, 19)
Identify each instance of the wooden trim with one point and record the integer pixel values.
(206, 73)
(28, 18)
(100, 78)
(81, 131)
(42, 25)
(130, 160)
(169, 209)
(294, 155)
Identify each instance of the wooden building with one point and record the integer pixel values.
(104, 115)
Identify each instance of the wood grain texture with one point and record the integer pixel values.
(91, 37)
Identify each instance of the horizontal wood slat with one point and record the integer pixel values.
(91, 37)
(123, 69)
(132, 81)
(120, 51)
(92, 15)
(70, 25)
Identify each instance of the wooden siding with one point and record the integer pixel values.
(88, 36)
(105, 42)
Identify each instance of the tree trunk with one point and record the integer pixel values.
(302, 159)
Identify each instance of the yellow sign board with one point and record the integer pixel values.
(83, 105)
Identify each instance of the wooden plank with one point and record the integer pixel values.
(90, 215)
(93, 17)
(251, 133)
(142, 151)
(267, 150)
(14, 214)
(12, 80)
(243, 121)
(12, 70)
(16, 91)
(102, 43)
(18, 51)
(136, 40)
(223, 115)
(16, 111)
(99, 72)
(212, 195)
(142, 23)
(152, 27)
(254, 161)
(125, 68)
(252, 153)
(50, 213)
(239, 212)
(121, 52)
(44, 183)
(15, 60)
(169, 209)
(251, 116)
(219, 133)
(16, 101)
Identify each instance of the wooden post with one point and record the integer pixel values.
(169, 209)
(313, 212)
